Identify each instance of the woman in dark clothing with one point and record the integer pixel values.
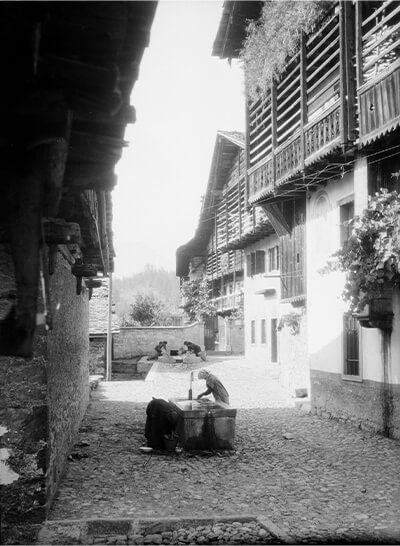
(161, 420)
(192, 347)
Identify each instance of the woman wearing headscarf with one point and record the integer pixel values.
(214, 387)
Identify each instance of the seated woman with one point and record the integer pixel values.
(161, 421)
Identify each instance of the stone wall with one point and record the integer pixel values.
(42, 402)
(362, 403)
(68, 369)
(97, 355)
(139, 341)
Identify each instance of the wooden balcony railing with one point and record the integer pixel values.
(378, 69)
(302, 116)
(224, 263)
(229, 302)
(325, 131)
(288, 159)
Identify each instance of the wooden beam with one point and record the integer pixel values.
(84, 270)
(58, 231)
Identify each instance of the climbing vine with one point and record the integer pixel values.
(371, 255)
(274, 38)
(197, 301)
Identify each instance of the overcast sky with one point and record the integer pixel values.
(182, 97)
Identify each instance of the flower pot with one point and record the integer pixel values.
(379, 312)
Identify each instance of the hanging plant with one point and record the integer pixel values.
(371, 255)
(292, 321)
(274, 38)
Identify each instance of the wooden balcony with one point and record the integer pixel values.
(308, 114)
(378, 69)
(224, 263)
(229, 302)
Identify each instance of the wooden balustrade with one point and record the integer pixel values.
(325, 131)
(288, 160)
(229, 302)
(379, 69)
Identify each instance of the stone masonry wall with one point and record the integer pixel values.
(68, 369)
(23, 423)
(361, 403)
(42, 402)
(97, 355)
(139, 341)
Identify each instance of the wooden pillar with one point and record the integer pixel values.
(347, 74)
(358, 44)
(273, 130)
(303, 97)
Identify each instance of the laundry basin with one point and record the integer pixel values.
(205, 424)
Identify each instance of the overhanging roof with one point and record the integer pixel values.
(227, 145)
(232, 27)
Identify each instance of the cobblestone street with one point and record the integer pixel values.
(315, 480)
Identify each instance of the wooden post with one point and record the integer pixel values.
(109, 331)
(303, 97)
(358, 44)
(347, 46)
(273, 130)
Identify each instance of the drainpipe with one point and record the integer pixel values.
(387, 391)
(109, 330)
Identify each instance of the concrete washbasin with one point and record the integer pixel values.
(205, 424)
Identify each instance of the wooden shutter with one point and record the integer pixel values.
(260, 261)
(248, 267)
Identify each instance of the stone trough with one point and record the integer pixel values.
(204, 424)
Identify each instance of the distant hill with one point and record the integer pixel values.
(157, 281)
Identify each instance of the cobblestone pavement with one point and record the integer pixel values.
(317, 480)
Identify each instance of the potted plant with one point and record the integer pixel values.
(371, 259)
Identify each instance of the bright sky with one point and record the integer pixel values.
(182, 97)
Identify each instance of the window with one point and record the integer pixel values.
(273, 258)
(255, 263)
(274, 340)
(346, 214)
(253, 331)
(263, 331)
(351, 352)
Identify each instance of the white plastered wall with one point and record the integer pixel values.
(325, 306)
(259, 306)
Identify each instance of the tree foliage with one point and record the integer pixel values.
(274, 38)
(197, 299)
(371, 256)
(158, 282)
(148, 310)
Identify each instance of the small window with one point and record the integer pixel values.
(253, 331)
(346, 215)
(255, 263)
(273, 258)
(263, 331)
(351, 355)
(274, 340)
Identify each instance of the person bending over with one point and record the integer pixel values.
(214, 387)
(161, 421)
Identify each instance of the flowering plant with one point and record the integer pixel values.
(371, 255)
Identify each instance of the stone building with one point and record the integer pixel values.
(98, 328)
(68, 72)
(322, 139)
